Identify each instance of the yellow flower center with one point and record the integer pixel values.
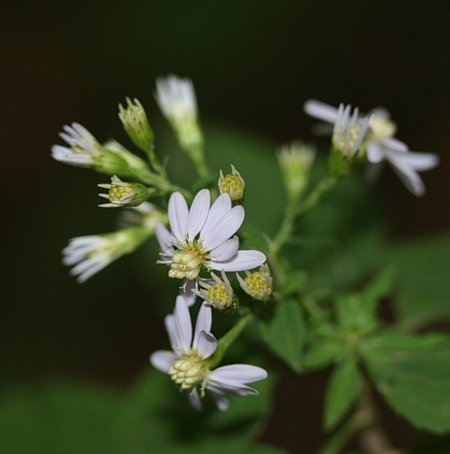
(345, 143)
(187, 263)
(188, 371)
(258, 285)
(232, 184)
(381, 128)
(219, 296)
(117, 193)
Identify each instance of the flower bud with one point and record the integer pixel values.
(232, 184)
(124, 194)
(295, 162)
(257, 284)
(218, 292)
(136, 124)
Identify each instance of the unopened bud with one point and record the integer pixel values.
(232, 184)
(257, 284)
(121, 193)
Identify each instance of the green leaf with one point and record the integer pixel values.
(322, 355)
(73, 418)
(423, 283)
(284, 333)
(294, 282)
(413, 375)
(341, 392)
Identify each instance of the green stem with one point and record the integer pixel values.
(154, 162)
(229, 338)
(293, 211)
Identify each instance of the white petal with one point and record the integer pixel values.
(198, 213)
(188, 295)
(226, 250)
(182, 323)
(375, 153)
(218, 209)
(207, 344)
(394, 144)
(407, 174)
(174, 338)
(203, 323)
(380, 112)
(243, 260)
(163, 360)
(223, 229)
(195, 400)
(244, 373)
(223, 404)
(421, 161)
(320, 110)
(165, 239)
(227, 385)
(178, 216)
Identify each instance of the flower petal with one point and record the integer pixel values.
(219, 385)
(206, 345)
(223, 229)
(218, 209)
(394, 144)
(203, 323)
(195, 400)
(198, 213)
(178, 216)
(182, 323)
(243, 260)
(320, 110)
(406, 173)
(165, 239)
(375, 153)
(226, 250)
(421, 161)
(188, 295)
(223, 404)
(163, 360)
(244, 373)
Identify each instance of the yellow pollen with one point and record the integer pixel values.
(342, 144)
(187, 263)
(117, 193)
(219, 296)
(188, 371)
(258, 286)
(381, 128)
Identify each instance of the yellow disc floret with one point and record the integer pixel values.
(187, 262)
(257, 284)
(188, 371)
(232, 184)
(219, 296)
(117, 193)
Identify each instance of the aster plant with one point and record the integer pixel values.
(313, 308)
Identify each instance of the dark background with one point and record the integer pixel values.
(254, 63)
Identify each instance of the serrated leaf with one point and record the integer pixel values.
(284, 333)
(341, 392)
(413, 375)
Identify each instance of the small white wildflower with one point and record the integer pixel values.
(83, 147)
(257, 284)
(232, 184)
(90, 254)
(202, 236)
(381, 146)
(121, 193)
(188, 365)
(216, 292)
(295, 162)
(177, 101)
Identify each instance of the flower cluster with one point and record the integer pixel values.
(198, 233)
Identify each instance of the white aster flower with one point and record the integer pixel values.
(91, 253)
(381, 146)
(202, 236)
(177, 101)
(83, 146)
(349, 130)
(188, 362)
